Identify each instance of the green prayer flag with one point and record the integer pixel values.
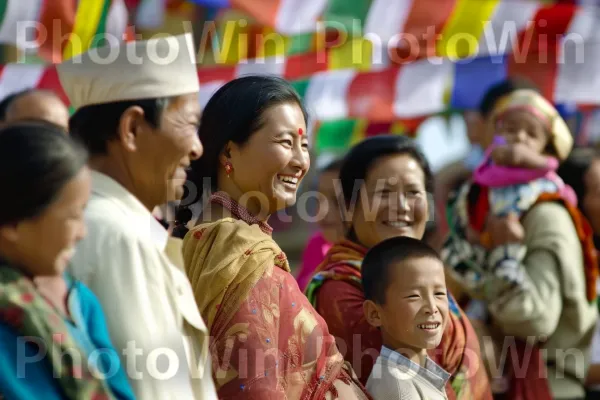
(335, 135)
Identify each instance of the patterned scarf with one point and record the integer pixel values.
(29, 314)
(459, 344)
(342, 262)
(586, 238)
(469, 380)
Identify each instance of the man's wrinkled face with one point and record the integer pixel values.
(165, 153)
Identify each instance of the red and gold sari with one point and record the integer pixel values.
(339, 277)
(267, 342)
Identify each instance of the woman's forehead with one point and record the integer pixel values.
(400, 166)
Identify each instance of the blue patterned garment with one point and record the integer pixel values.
(471, 264)
(24, 375)
(518, 199)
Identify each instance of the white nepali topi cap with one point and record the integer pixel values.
(160, 67)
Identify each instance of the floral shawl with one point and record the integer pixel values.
(26, 311)
(267, 342)
(342, 263)
(459, 342)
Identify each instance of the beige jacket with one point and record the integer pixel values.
(554, 308)
(150, 309)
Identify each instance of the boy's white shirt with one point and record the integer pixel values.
(396, 377)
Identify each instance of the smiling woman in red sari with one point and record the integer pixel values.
(268, 341)
(385, 183)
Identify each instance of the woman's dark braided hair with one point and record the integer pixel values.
(183, 215)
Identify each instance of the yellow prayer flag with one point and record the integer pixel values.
(462, 32)
(358, 133)
(232, 45)
(449, 86)
(355, 53)
(271, 43)
(398, 128)
(85, 27)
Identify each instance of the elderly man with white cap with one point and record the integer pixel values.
(137, 112)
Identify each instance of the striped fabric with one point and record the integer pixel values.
(400, 92)
(345, 105)
(15, 16)
(417, 28)
(386, 72)
(286, 16)
(60, 29)
(17, 77)
(480, 42)
(90, 24)
(421, 87)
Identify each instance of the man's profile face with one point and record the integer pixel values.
(167, 151)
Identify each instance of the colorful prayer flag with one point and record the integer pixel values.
(58, 29)
(286, 16)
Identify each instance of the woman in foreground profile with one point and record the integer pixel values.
(54, 342)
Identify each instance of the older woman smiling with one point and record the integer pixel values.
(386, 183)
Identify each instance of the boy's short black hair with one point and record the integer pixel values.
(377, 264)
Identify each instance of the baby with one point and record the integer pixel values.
(406, 298)
(531, 139)
(518, 171)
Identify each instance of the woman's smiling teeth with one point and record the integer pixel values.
(398, 224)
(289, 181)
(429, 327)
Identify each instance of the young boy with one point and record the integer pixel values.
(405, 291)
